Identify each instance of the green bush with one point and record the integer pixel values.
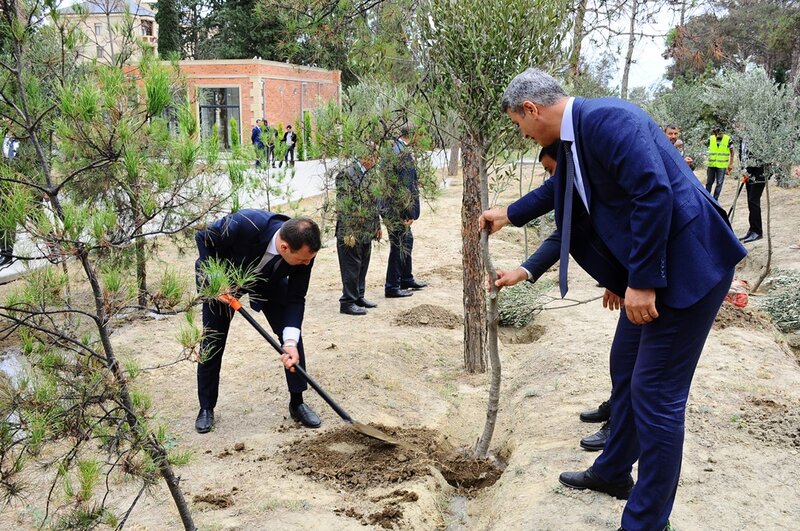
(518, 305)
(782, 303)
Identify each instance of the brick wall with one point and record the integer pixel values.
(286, 87)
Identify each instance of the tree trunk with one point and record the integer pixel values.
(474, 309)
(769, 243)
(452, 164)
(577, 38)
(492, 320)
(629, 56)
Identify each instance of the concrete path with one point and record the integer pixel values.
(305, 179)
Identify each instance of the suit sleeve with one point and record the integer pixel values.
(535, 203)
(625, 149)
(544, 257)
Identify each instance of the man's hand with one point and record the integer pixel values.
(689, 160)
(509, 278)
(640, 305)
(292, 356)
(408, 221)
(494, 219)
(612, 301)
(378, 234)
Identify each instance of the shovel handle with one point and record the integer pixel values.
(234, 303)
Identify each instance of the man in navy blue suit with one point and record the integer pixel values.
(281, 252)
(620, 177)
(400, 208)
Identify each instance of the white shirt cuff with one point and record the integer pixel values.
(526, 271)
(291, 332)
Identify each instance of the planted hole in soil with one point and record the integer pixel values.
(354, 461)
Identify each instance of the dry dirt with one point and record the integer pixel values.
(260, 470)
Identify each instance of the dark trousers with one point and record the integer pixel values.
(259, 153)
(216, 323)
(755, 187)
(399, 267)
(651, 371)
(353, 265)
(289, 156)
(718, 175)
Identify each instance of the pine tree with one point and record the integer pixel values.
(169, 35)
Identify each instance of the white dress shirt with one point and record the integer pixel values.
(568, 134)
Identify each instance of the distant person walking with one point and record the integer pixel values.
(720, 160)
(290, 140)
(255, 138)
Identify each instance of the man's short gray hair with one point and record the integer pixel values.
(535, 86)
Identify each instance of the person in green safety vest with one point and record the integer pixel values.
(720, 159)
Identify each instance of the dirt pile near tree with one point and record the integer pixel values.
(429, 315)
(353, 462)
(752, 319)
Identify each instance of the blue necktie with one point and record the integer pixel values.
(566, 223)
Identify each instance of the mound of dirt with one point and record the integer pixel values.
(730, 315)
(772, 423)
(355, 462)
(217, 501)
(429, 315)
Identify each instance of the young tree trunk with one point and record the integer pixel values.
(150, 445)
(452, 164)
(492, 320)
(631, 43)
(577, 38)
(769, 242)
(474, 309)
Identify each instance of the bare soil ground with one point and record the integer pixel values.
(400, 367)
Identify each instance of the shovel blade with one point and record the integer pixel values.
(374, 433)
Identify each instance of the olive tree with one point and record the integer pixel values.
(471, 49)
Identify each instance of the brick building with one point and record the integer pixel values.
(248, 89)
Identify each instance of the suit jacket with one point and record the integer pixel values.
(242, 239)
(401, 201)
(586, 249)
(255, 137)
(645, 204)
(356, 205)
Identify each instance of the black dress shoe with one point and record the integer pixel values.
(352, 309)
(205, 421)
(597, 441)
(414, 284)
(397, 293)
(587, 480)
(364, 303)
(751, 237)
(305, 416)
(601, 414)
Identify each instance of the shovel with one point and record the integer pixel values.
(369, 431)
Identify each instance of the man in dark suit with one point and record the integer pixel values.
(677, 253)
(258, 144)
(400, 208)
(357, 224)
(280, 251)
(290, 141)
(584, 246)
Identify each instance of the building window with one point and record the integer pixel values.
(147, 28)
(101, 52)
(98, 29)
(218, 106)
